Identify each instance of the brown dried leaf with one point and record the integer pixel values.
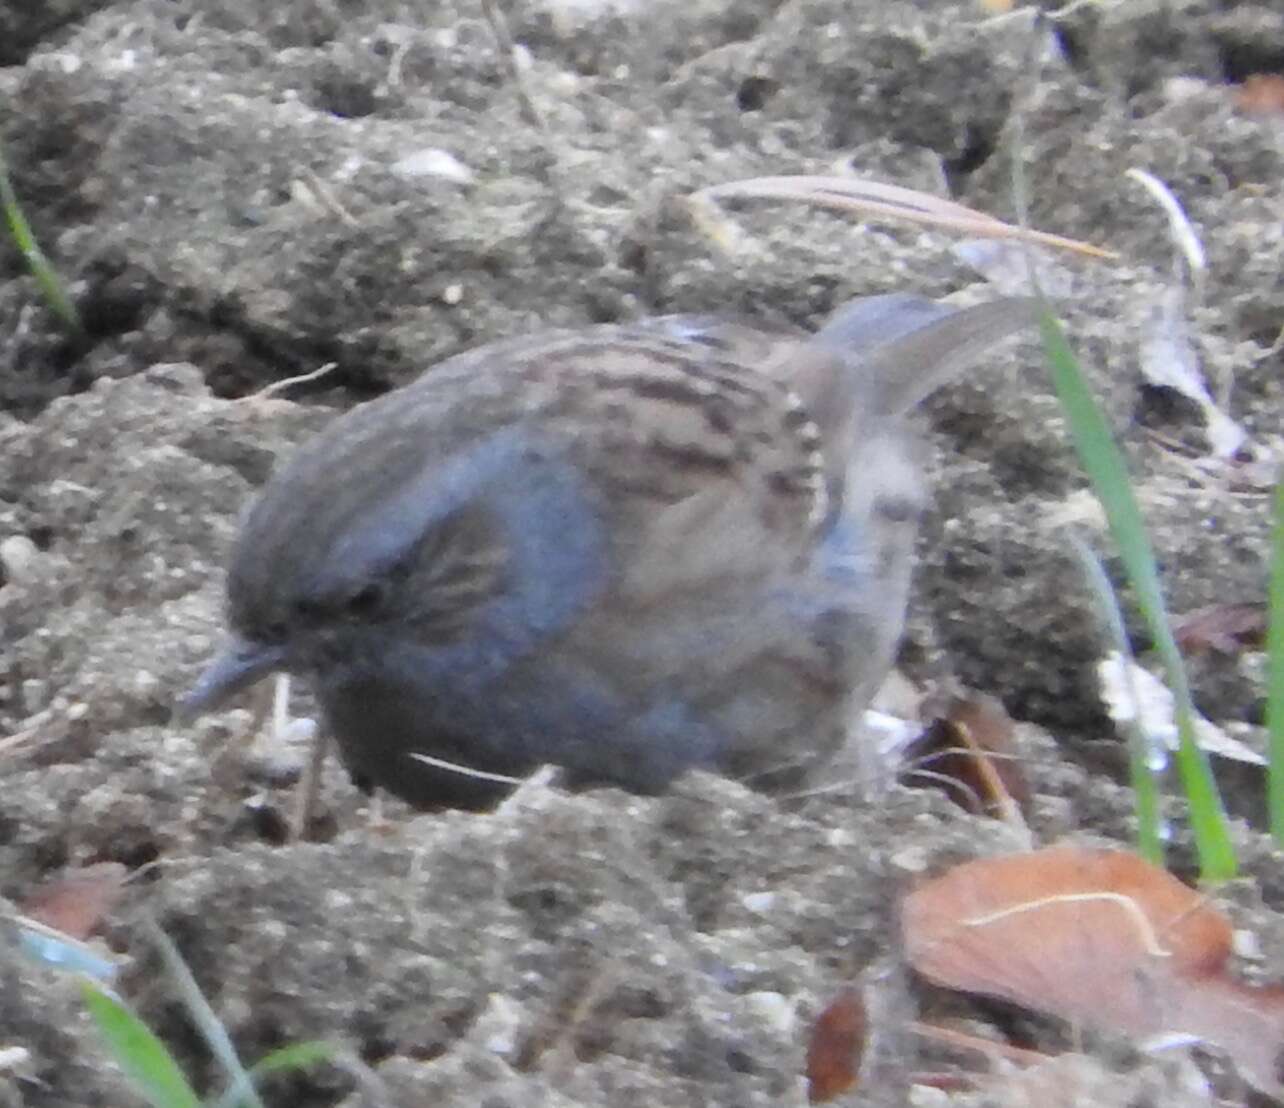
(972, 747)
(1226, 628)
(1261, 94)
(1100, 937)
(837, 1046)
(75, 901)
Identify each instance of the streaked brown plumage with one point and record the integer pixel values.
(627, 550)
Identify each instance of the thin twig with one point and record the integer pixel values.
(508, 54)
(287, 382)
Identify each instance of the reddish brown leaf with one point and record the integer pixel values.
(1226, 628)
(76, 900)
(946, 1082)
(1100, 937)
(837, 1047)
(971, 748)
(1261, 94)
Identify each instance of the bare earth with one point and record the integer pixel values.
(225, 187)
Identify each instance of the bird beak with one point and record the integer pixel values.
(241, 663)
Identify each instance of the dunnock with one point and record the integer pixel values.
(627, 550)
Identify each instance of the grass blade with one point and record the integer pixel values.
(24, 238)
(1145, 787)
(296, 1056)
(207, 1021)
(143, 1057)
(1104, 463)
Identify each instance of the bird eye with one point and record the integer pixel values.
(366, 600)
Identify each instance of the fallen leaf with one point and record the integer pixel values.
(837, 1046)
(1098, 937)
(1225, 628)
(971, 748)
(1167, 358)
(1261, 94)
(75, 901)
(56, 918)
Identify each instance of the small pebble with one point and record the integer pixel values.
(35, 695)
(433, 162)
(774, 1009)
(500, 1026)
(1246, 945)
(20, 558)
(911, 860)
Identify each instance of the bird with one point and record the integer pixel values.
(628, 550)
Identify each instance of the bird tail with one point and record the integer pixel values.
(883, 355)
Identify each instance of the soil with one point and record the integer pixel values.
(236, 193)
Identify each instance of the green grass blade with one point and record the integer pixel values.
(1104, 463)
(25, 239)
(139, 1053)
(296, 1056)
(205, 1018)
(1145, 786)
(1275, 668)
